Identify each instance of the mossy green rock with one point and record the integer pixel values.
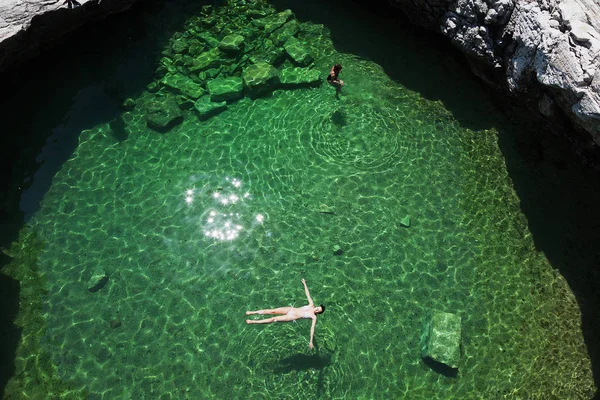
(441, 339)
(162, 115)
(272, 22)
(297, 52)
(181, 84)
(297, 76)
(226, 89)
(260, 76)
(207, 108)
(180, 46)
(232, 43)
(282, 34)
(206, 60)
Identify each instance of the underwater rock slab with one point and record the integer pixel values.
(298, 76)
(206, 108)
(206, 60)
(181, 84)
(272, 22)
(163, 115)
(225, 89)
(260, 77)
(289, 29)
(232, 43)
(297, 52)
(441, 339)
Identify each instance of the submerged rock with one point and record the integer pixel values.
(297, 76)
(260, 77)
(163, 115)
(206, 60)
(232, 43)
(97, 280)
(181, 84)
(297, 52)
(207, 108)
(282, 34)
(441, 339)
(226, 89)
(274, 21)
(405, 222)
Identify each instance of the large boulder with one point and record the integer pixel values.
(225, 89)
(441, 339)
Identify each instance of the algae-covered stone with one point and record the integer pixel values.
(206, 60)
(282, 34)
(163, 115)
(268, 52)
(405, 222)
(232, 43)
(181, 84)
(297, 76)
(272, 22)
(441, 339)
(97, 280)
(180, 46)
(297, 52)
(226, 89)
(260, 77)
(207, 108)
(128, 104)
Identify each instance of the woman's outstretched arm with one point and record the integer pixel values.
(310, 301)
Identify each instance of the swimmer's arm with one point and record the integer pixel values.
(312, 332)
(310, 301)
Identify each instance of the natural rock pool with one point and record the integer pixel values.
(410, 194)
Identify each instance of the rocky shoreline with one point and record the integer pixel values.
(545, 52)
(28, 26)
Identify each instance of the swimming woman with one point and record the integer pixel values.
(291, 314)
(334, 80)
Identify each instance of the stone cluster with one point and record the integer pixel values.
(243, 50)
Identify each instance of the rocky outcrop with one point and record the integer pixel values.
(547, 51)
(27, 26)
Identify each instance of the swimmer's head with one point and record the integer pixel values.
(322, 309)
(337, 67)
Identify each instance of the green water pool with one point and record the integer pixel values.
(199, 224)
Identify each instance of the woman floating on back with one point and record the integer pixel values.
(291, 314)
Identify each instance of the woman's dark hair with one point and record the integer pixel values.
(337, 67)
(322, 309)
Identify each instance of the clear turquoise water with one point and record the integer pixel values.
(213, 218)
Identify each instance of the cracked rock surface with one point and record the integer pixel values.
(547, 51)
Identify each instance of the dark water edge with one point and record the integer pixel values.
(106, 59)
(558, 194)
